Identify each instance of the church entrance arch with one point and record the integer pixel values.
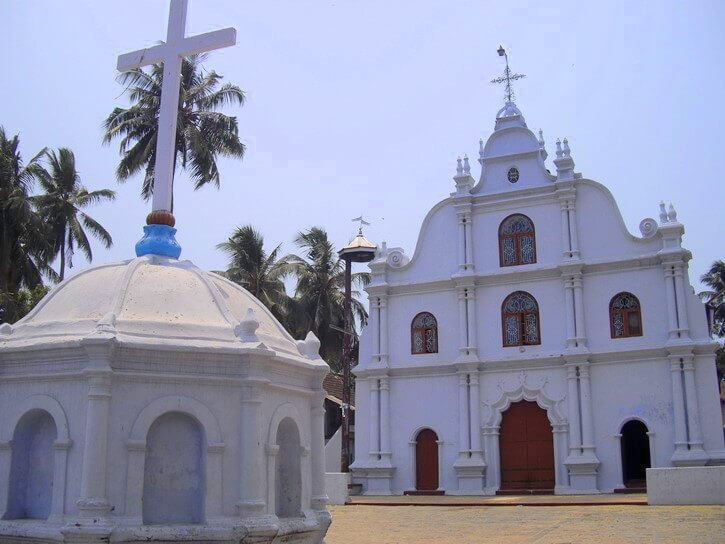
(426, 460)
(174, 483)
(526, 448)
(635, 453)
(31, 467)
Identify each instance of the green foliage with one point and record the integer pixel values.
(17, 305)
(202, 133)
(715, 297)
(318, 301)
(61, 205)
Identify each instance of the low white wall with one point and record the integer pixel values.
(336, 487)
(333, 452)
(686, 485)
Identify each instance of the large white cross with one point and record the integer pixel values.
(171, 53)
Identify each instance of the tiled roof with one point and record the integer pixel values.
(333, 387)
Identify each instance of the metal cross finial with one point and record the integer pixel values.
(507, 77)
(362, 222)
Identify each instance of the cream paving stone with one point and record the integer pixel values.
(527, 525)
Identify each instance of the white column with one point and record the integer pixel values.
(134, 479)
(471, 323)
(463, 425)
(462, 321)
(6, 452)
(569, 312)
(579, 308)
(671, 305)
(586, 409)
(572, 398)
(573, 229)
(214, 479)
(93, 501)
(374, 419)
(469, 242)
(693, 413)
(561, 448)
(618, 459)
(565, 247)
(475, 408)
(681, 300)
(384, 353)
(271, 451)
(461, 242)
(319, 496)
(678, 402)
(493, 457)
(251, 490)
(385, 416)
(374, 327)
(60, 459)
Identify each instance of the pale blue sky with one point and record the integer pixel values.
(363, 106)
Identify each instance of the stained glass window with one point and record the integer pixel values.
(517, 241)
(520, 320)
(625, 316)
(424, 334)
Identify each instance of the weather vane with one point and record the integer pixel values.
(362, 222)
(507, 76)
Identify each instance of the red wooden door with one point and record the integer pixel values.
(426, 461)
(526, 446)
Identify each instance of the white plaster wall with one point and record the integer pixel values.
(708, 403)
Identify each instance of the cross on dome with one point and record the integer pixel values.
(507, 77)
(171, 53)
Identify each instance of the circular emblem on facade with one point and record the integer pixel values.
(513, 175)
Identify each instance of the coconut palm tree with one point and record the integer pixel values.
(261, 273)
(715, 297)
(25, 250)
(202, 133)
(320, 293)
(62, 203)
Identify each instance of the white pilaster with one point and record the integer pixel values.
(693, 412)
(672, 318)
(385, 450)
(573, 229)
(251, 493)
(471, 321)
(60, 459)
(586, 410)
(6, 452)
(569, 312)
(463, 425)
(474, 412)
(319, 496)
(469, 242)
(383, 303)
(684, 328)
(462, 321)
(581, 335)
(374, 419)
(271, 451)
(678, 404)
(572, 402)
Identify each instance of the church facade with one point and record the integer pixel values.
(531, 342)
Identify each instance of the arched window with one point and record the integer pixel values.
(520, 320)
(625, 316)
(424, 334)
(516, 241)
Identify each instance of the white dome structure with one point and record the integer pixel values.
(151, 400)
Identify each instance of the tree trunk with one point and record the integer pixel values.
(62, 257)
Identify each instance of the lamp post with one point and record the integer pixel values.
(359, 250)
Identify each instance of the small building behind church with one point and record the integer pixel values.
(531, 342)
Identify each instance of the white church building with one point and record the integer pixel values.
(531, 342)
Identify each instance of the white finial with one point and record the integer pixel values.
(6, 329)
(672, 214)
(541, 138)
(567, 151)
(459, 167)
(559, 152)
(466, 166)
(247, 327)
(171, 53)
(311, 346)
(663, 213)
(480, 148)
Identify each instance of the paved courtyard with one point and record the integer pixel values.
(527, 524)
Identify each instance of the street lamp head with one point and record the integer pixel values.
(501, 51)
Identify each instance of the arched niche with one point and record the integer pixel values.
(137, 452)
(174, 470)
(35, 432)
(287, 449)
(288, 471)
(492, 427)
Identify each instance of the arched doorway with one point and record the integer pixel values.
(288, 477)
(526, 446)
(31, 467)
(174, 485)
(635, 453)
(426, 460)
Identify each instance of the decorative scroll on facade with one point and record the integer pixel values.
(424, 334)
(520, 320)
(625, 316)
(517, 241)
